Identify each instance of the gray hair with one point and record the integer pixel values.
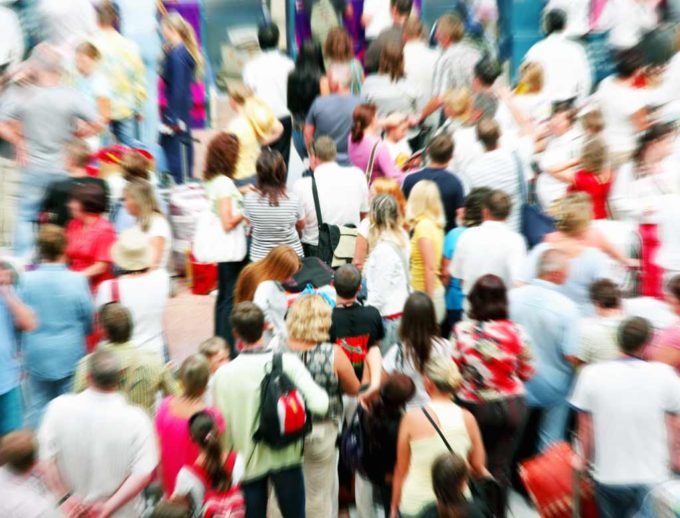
(324, 149)
(105, 370)
(46, 58)
(340, 74)
(552, 261)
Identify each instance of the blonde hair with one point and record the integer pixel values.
(531, 79)
(385, 221)
(212, 346)
(194, 374)
(458, 101)
(444, 373)
(594, 156)
(240, 93)
(451, 26)
(142, 194)
(186, 32)
(309, 319)
(425, 202)
(575, 214)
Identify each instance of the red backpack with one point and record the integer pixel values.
(220, 504)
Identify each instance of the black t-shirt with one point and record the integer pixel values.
(450, 189)
(54, 206)
(356, 329)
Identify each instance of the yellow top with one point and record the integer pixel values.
(427, 229)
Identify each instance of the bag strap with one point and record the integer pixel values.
(371, 162)
(404, 262)
(277, 363)
(115, 291)
(524, 197)
(437, 429)
(317, 205)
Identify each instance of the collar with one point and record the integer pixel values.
(52, 266)
(494, 223)
(103, 397)
(326, 167)
(545, 284)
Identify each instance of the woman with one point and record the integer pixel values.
(665, 347)
(275, 215)
(493, 355)
(308, 323)
(339, 49)
(386, 271)
(419, 342)
(529, 95)
(183, 64)
(260, 282)
(89, 234)
(227, 202)
(461, 124)
(172, 421)
(140, 202)
(365, 141)
(425, 433)
(425, 215)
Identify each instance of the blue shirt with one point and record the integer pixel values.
(450, 190)
(62, 305)
(454, 293)
(551, 320)
(9, 366)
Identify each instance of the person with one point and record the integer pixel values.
(227, 202)
(15, 317)
(438, 426)
(182, 66)
(400, 11)
(566, 69)
(172, 420)
(598, 342)
(260, 282)
(490, 248)
(375, 18)
(140, 203)
(440, 152)
(144, 376)
(275, 214)
(364, 142)
(91, 83)
(267, 74)
(308, 323)
(143, 291)
(425, 215)
(123, 66)
(89, 235)
(419, 60)
(551, 321)
(668, 257)
(65, 26)
(14, 48)
(216, 351)
(665, 345)
(530, 94)
(338, 49)
(493, 355)
(53, 348)
(237, 396)
(342, 193)
(623, 407)
(419, 341)
(67, 448)
(627, 22)
(331, 115)
(396, 128)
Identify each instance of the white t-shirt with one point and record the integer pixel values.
(267, 75)
(271, 299)
(627, 21)
(419, 61)
(381, 19)
(188, 484)
(628, 400)
(160, 227)
(618, 103)
(559, 151)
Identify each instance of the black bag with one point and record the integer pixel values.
(314, 271)
(352, 443)
(535, 223)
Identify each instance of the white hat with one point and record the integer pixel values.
(132, 251)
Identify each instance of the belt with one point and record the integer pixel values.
(393, 317)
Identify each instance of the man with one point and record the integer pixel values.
(331, 115)
(455, 66)
(144, 374)
(623, 409)
(400, 11)
(551, 321)
(490, 248)
(237, 390)
(566, 69)
(419, 60)
(450, 188)
(598, 334)
(99, 452)
(343, 193)
(267, 75)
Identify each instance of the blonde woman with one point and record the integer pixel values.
(461, 125)
(529, 94)
(425, 216)
(140, 202)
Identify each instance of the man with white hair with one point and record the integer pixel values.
(331, 115)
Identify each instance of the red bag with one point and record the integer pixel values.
(98, 334)
(228, 504)
(549, 479)
(203, 277)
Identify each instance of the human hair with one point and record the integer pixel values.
(440, 149)
(384, 185)
(324, 149)
(413, 29)
(575, 214)
(424, 201)
(488, 299)
(205, 434)
(104, 370)
(19, 451)
(240, 93)
(347, 281)
(222, 156)
(593, 121)
(450, 473)
(51, 243)
(144, 197)
(338, 46)
(605, 294)
(566, 107)
(474, 202)
(91, 197)
(310, 57)
(488, 133)
(268, 36)
(443, 372)
(594, 156)
(554, 20)
(499, 204)
(107, 16)
(279, 265)
(451, 27)
(309, 319)
(247, 322)
(551, 261)
(88, 49)
(78, 152)
(116, 320)
(135, 166)
(531, 78)
(487, 70)
(194, 374)
(188, 36)
(654, 133)
(402, 7)
(362, 117)
(633, 334)
(418, 328)
(628, 62)
(385, 221)
(397, 390)
(212, 346)
(271, 176)
(392, 60)
(673, 287)
(458, 101)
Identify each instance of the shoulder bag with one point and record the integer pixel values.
(371, 162)
(212, 244)
(534, 223)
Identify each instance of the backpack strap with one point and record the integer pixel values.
(437, 429)
(371, 162)
(277, 362)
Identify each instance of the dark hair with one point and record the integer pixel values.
(107, 16)
(135, 166)
(628, 62)
(402, 7)
(203, 431)
(655, 132)
(449, 473)
(18, 450)
(633, 335)
(488, 299)
(473, 206)
(397, 390)
(247, 322)
(91, 197)
(362, 117)
(555, 21)
(117, 322)
(487, 70)
(347, 281)
(51, 242)
(310, 57)
(418, 328)
(104, 369)
(268, 36)
(673, 287)
(222, 156)
(271, 176)
(392, 60)
(488, 133)
(498, 204)
(441, 148)
(605, 294)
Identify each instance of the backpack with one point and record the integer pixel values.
(283, 417)
(353, 443)
(220, 504)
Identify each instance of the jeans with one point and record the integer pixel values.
(553, 426)
(179, 155)
(289, 486)
(227, 275)
(299, 143)
(282, 145)
(41, 391)
(126, 131)
(619, 501)
(10, 411)
(391, 327)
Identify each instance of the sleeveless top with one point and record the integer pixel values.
(320, 362)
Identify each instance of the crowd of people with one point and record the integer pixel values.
(464, 275)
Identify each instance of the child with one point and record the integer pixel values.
(92, 84)
(216, 352)
(396, 127)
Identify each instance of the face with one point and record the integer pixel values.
(76, 209)
(131, 205)
(169, 34)
(85, 64)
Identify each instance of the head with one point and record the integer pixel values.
(205, 433)
(488, 133)
(116, 320)
(216, 351)
(400, 10)
(194, 374)
(19, 451)
(673, 294)
(575, 214)
(634, 334)
(338, 47)
(655, 144)
(385, 221)
(389, 186)
(322, 151)
(471, 214)
(628, 63)
(222, 156)
(595, 156)
(363, 118)
(425, 202)
(268, 36)
(531, 78)
(486, 72)
(413, 29)
(392, 60)
(78, 155)
(418, 328)
(605, 295)
(562, 118)
(247, 322)
(141, 202)
(488, 299)
(441, 376)
(553, 266)
(396, 127)
(132, 251)
(339, 78)
(458, 103)
(239, 93)
(310, 57)
(104, 371)
(593, 122)
(279, 265)
(51, 243)
(135, 166)
(440, 150)
(309, 319)
(554, 21)
(497, 206)
(177, 30)
(107, 16)
(450, 474)
(397, 390)
(450, 30)
(87, 58)
(271, 176)
(87, 200)
(347, 282)
(47, 63)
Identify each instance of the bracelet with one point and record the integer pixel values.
(64, 498)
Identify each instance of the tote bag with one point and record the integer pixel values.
(213, 245)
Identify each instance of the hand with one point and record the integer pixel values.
(98, 510)
(75, 508)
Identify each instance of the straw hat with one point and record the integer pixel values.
(132, 251)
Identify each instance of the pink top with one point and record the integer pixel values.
(175, 443)
(383, 165)
(669, 337)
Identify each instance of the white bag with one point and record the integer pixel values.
(212, 244)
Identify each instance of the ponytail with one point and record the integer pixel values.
(362, 117)
(188, 35)
(204, 433)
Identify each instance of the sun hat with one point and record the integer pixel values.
(132, 251)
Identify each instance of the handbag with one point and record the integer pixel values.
(534, 223)
(371, 162)
(212, 244)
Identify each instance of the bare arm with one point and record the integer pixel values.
(23, 316)
(274, 134)
(227, 217)
(345, 372)
(585, 437)
(429, 262)
(309, 134)
(299, 226)
(360, 252)
(104, 108)
(477, 455)
(97, 268)
(445, 275)
(132, 486)
(373, 363)
(640, 120)
(402, 466)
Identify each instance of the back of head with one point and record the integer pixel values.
(338, 46)
(474, 202)
(88, 49)
(384, 219)
(135, 166)
(450, 474)
(605, 294)
(51, 243)
(309, 319)
(47, 59)
(488, 133)
(628, 63)
(425, 201)
(551, 262)
(418, 328)
(117, 322)
(488, 299)
(104, 370)
(458, 101)
(78, 153)
(362, 117)
(396, 391)
(247, 322)
(554, 21)
(324, 149)
(204, 432)
(575, 214)
(194, 374)
(487, 70)
(213, 346)
(392, 60)
(240, 93)
(634, 334)
(440, 149)
(268, 36)
(593, 121)
(271, 172)
(443, 372)
(451, 27)
(402, 7)
(310, 57)
(19, 451)
(222, 156)
(499, 205)
(347, 281)
(413, 29)
(595, 156)
(107, 16)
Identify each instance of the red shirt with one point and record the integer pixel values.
(585, 181)
(88, 245)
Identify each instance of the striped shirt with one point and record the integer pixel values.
(272, 226)
(455, 67)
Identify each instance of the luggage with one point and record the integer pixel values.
(187, 203)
